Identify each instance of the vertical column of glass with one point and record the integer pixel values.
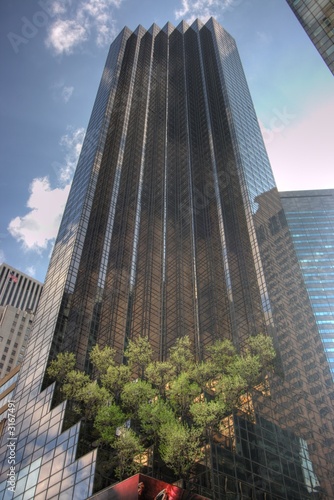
(117, 308)
(180, 300)
(218, 272)
(194, 284)
(252, 173)
(148, 305)
(88, 301)
(168, 29)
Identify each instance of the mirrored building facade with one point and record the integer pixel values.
(174, 227)
(317, 18)
(310, 217)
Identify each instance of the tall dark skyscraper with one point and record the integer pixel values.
(310, 216)
(174, 227)
(317, 18)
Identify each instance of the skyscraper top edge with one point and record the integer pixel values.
(182, 26)
(168, 28)
(154, 29)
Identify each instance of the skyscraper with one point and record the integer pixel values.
(19, 296)
(15, 327)
(19, 290)
(174, 227)
(317, 19)
(310, 216)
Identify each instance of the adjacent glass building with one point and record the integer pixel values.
(174, 227)
(310, 216)
(317, 18)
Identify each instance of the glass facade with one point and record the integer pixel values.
(310, 216)
(174, 227)
(317, 18)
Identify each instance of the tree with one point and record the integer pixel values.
(153, 415)
(136, 393)
(107, 419)
(139, 355)
(262, 346)
(229, 389)
(181, 355)
(61, 366)
(159, 374)
(74, 384)
(128, 450)
(180, 447)
(208, 415)
(102, 359)
(169, 408)
(203, 374)
(182, 393)
(248, 367)
(222, 354)
(93, 397)
(115, 378)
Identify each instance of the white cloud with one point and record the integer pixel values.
(38, 228)
(64, 35)
(71, 144)
(40, 225)
(62, 92)
(75, 23)
(2, 256)
(31, 271)
(66, 93)
(203, 9)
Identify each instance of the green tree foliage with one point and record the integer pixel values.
(153, 415)
(207, 415)
(180, 446)
(139, 355)
(102, 359)
(229, 389)
(93, 397)
(115, 379)
(203, 374)
(262, 346)
(182, 393)
(128, 450)
(107, 419)
(74, 385)
(176, 405)
(181, 355)
(248, 367)
(136, 393)
(222, 354)
(60, 367)
(159, 374)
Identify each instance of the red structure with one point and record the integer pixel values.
(145, 488)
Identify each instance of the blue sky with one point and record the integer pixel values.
(53, 53)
